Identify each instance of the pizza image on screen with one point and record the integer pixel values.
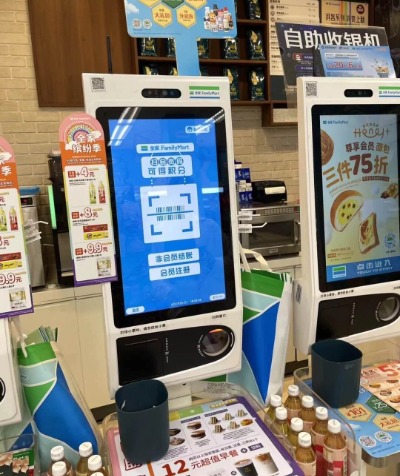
(368, 234)
(346, 205)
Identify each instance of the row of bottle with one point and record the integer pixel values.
(12, 217)
(327, 445)
(101, 193)
(88, 464)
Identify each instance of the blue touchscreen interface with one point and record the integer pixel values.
(167, 197)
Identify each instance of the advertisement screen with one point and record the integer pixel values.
(357, 176)
(169, 190)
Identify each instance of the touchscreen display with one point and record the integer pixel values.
(170, 224)
(358, 217)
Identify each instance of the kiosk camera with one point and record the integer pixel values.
(349, 133)
(175, 312)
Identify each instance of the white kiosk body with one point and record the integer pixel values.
(175, 312)
(349, 133)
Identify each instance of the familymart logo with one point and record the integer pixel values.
(204, 92)
(389, 91)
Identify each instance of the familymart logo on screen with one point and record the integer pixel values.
(204, 92)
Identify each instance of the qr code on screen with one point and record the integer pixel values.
(311, 89)
(98, 84)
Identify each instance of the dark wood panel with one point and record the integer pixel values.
(69, 37)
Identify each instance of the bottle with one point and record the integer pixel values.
(335, 451)
(59, 468)
(293, 402)
(304, 455)
(296, 427)
(95, 465)
(57, 454)
(307, 413)
(274, 403)
(13, 219)
(318, 433)
(92, 193)
(102, 193)
(3, 220)
(280, 427)
(85, 451)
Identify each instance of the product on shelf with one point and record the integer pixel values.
(296, 427)
(257, 84)
(171, 48)
(150, 69)
(204, 71)
(307, 413)
(293, 402)
(335, 450)
(57, 455)
(85, 452)
(203, 48)
(173, 71)
(274, 403)
(305, 455)
(231, 48)
(253, 9)
(255, 45)
(280, 427)
(148, 47)
(318, 433)
(95, 465)
(233, 75)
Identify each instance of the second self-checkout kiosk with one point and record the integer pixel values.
(175, 312)
(349, 146)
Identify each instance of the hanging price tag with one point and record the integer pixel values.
(15, 289)
(88, 199)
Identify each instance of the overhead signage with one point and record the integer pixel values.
(298, 43)
(88, 199)
(184, 20)
(15, 289)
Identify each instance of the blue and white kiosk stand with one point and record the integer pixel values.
(349, 144)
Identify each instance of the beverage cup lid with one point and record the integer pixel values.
(296, 424)
(334, 426)
(321, 413)
(85, 449)
(276, 401)
(57, 453)
(281, 413)
(304, 439)
(307, 401)
(59, 468)
(94, 462)
(293, 390)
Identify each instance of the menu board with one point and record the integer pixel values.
(360, 190)
(221, 438)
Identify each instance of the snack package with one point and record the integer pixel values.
(150, 69)
(202, 47)
(173, 71)
(257, 84)
(204, 71)
(255, 45)
(233, 75)
(231, 48)
(253, 9)
(148, 47)
(171, 48)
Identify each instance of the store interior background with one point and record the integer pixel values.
(271, 153)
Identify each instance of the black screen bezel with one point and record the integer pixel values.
(341, 110)
(103, 115)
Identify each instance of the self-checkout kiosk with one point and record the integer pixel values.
(349, 133)
(175, 312)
